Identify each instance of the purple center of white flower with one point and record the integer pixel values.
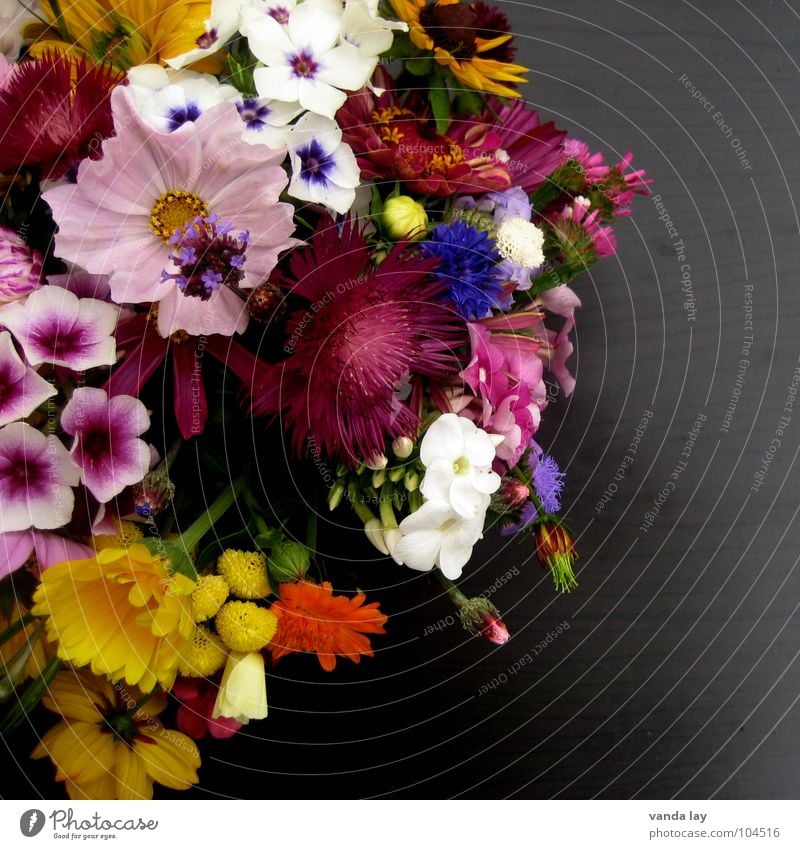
(280, 13)
(177, 116)
(253, 113)
(207, 39)
(303, 64)
(315, 163)
(207, 257)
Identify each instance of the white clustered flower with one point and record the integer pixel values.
(521, 242)
(457, 486)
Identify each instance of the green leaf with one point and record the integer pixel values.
(402, 48)
(420, 66)
(31, 697)
(469, 102)
(440, 100)
(241, 72)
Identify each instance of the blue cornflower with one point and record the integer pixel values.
(468, 267)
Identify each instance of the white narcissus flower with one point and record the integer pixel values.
(243, 692)
(435, 535)
(324, 169)
(458, 458)
(305, 60)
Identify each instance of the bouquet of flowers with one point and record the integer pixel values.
(261, 259)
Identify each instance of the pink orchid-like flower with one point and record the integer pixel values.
(53, 325)
(36, 479)
(107, 447)
(22, 390)
(181, 218)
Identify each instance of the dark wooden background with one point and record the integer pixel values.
(678, 673)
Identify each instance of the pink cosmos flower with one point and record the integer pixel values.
(17, 546)
(53, 325)
(107, 447)
(36, 479)
(20, 267)
(180, 218)
(21, 388)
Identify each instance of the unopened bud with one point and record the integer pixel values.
(374, 531)
(402, 447)
(513, 493)
(288, 561)
(152, 495)
(379, 478)
(481, 618)
(555, 550)
(266, 304)
(377, 462)
(335, 495)
(411, 480)
(396, 474)
(404, 218)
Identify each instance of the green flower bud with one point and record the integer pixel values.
(288, 561)
(404, 218)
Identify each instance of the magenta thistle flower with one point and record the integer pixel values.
(22, 390)
(127, 213)
(53, 325)
(107, 447)
(365, 331)
(20, 267)
(54, 112)
(36, 479)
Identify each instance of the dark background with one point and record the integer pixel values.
(678, 673)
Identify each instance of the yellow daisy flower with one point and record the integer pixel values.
(472, 41)
(125, 33)
(122, 611)
(107, 746)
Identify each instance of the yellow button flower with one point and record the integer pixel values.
(244, 626)
(245, 573)
(209, 595)
(204, 655)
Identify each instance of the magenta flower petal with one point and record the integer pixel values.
(22, 390)
(191, 408)
(55, 326)
(36, 479)
(15, 548)
(53, 548)
(107, 448)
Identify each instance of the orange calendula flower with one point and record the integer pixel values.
(471, 39)
(109, 743)
(312, 619)
(122, 611)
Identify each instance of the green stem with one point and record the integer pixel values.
(456, 596)
(144, 700)
(59, 21)
(203, 524)
(311, 532)
(9, 632)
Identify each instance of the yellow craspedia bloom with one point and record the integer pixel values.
(244, 626)
(127, 534)
(245, 572)
(204, 655)
(403, 217)
(122, 611)
(209, 595)
(105, 747)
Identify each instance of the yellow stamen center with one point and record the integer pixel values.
(174, 209)
(461, 466)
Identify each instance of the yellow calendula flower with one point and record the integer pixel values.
(127, 534)
(472, 40)
(126, 33)
(107, 746)
(122, 611)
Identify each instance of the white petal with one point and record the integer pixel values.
(453, 556)
(419, 550)
(485, 480)
(444, 438)
(278, 83)
(345, 67)
(317, 96)
(437, 480)
(315, 28)
(466, 500)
